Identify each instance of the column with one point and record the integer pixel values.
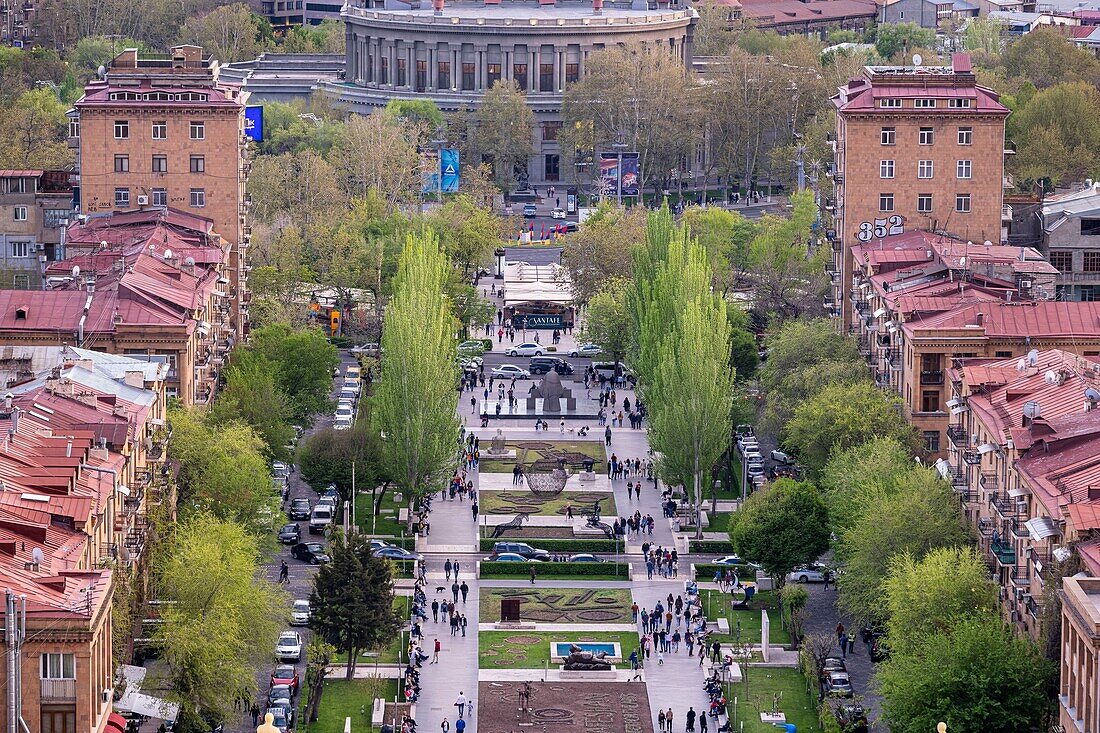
(393, 64)
(456, 68)
(410, 67)
(534, 59)
(506, 62)
(559, 74)
(482, 72)
(377, 58)
(582, 62)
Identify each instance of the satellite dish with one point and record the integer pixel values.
(917, 60)
(76, 270)
(1092, 395)
(167, 254)
(190, 262)
(37, 557)
(1033, 357)
(101, 71)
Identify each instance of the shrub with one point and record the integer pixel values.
(403, 568)
(722, 547)
(555, 545)
(487, 343)
(555, 569)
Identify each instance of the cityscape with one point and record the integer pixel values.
(563, 366)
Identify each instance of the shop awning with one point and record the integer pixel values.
(116, 722)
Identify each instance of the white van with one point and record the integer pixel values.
(320, 519)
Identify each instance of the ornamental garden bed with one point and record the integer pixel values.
(545, 454)
(531, 649)
(491, 501)
(561, 605)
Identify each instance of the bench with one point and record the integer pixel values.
(723, 625)
(378, 712)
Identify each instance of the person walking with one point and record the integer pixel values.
(460, 703)
(703, 722)
(438, 648)
(532, 575)
(445, 726)
(668, 720)
(473, 510)
(284, 573)
(463, 624)
(255, 714)
(456, 568)
(454, 592)
(447, 568)
(465, 589)
(839, 633)
(661, 720)
(843, 645)
(460, 724)
(690, 720)
(607, 435)
(435, 611)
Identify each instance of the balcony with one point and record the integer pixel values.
(956, 433)
(972, 457)
(892, 356)
(1003, 552)
(985, 526)
(58, 691)
(989, 481)
(1003, 504)
(1018, 576)
(1017, 528)
(884, 339)
(931, 378)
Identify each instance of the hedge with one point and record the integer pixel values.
(403, 568)
(714, 547)
(706, 571)
(556, 545)
(491, 568)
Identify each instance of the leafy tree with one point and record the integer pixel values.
(303, 188)
(223, 471)
(984, 35)
(252, 396)
(744, 355)
(34, 131)
(319, 656)
(423, 111)
(327, 456)
(895, 38)
(379, 153)
(327, 37)
(843, 415)
(793, 599)
(468, 231)
(503, 134)
(352, 599)
(979, 677)
(713, 35)
(920, 515)
(726, 236)
(607, 321)
(1058, 134)
(220, 618)
(781, 526)
(229, 33)
(789, 281)
(415, 399)
(293, 127)
(304, 361)
(856, 476)
(90, 53)
(1045, 58)
(599, 251)
(947, 586)
(804, 343)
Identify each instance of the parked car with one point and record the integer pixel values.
(320, 519)
(544, 364)
(736, 563)
(833, 664)
(521, 548)
(290, 534)
(289, 647)
(280, 695)
(301, 613)
(345, 412)
(471, 348)
(608, 369)
(280, 471)
(838, 684)
(589, 350)
(781, 458)
(342, 423)
(510, 557)
(509, 371)
(286, 674)
(529, 210)
(528, 348)
(585, 557)
(370, 349)
(279, 718)
(812, 573)
(299, 508)
(396, 553)
(744, 429)
(851, 718)
(378, 545)
(558, 213)
(311, 552)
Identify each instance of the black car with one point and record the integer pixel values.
(299, 509)
(311, 552)
(543, 365)
(289, 534)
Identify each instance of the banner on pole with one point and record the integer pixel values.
(609, 174)
(629, 177)
(449, 169)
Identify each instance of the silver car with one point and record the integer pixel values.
(289, 647)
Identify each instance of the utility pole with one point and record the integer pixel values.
(15, 631)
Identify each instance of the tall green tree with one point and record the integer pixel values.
(607, 321)
(352, 599)
(34, 129)
(892, 39)
(303, 360)
(854, 477)
(229, 33)
(504, 126)
(1045, 57)
(843, 415)
(220, 617)
(415, 397)
(789, 280)
(252, 396)
(1058, 134)
(600, 250)
(783, 525)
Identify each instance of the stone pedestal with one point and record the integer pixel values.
(588, 674)
(778, 719)
(588, 477)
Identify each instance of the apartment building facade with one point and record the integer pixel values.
(1071, 240)
(164, 132)
(35, 208)
(917, 147)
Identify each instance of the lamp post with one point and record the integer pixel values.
(941, 727)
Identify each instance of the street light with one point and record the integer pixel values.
(941, 727)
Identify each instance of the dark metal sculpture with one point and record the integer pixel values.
(581, 660)
(516, 523)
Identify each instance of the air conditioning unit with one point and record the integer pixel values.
(1021, 506)
(143, 200)
(1019, 594)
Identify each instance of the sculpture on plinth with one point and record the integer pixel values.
(580, 660)
(551, 390)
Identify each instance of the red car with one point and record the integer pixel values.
(285, 674)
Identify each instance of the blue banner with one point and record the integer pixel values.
(254, 123)
(449, 170)
(629, 177)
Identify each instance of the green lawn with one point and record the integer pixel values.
(719, 521)
(347, 698)
(531, 649)
(386, 524)
(755, 695)
(513, 502)
(573, 451)
(717, 603)
(561, 605)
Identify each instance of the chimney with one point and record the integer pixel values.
(979, 318)
(7, 401)
(597, 7)
(438, 6)
(69, 448)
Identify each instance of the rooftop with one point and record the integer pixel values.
(1045, 319)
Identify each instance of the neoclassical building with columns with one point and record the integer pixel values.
(453, 51)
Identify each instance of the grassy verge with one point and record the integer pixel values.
(531, 650)
(347, 699)
(756, 694)
(561, 605)
(719, 521)
(386, 524)
(545, 570)
(716, 603)
(513, 502)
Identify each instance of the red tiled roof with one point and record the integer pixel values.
(781, 12)
(1048, 318)
(97, 94)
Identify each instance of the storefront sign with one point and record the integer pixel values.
(540, 320)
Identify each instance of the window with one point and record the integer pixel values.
(402, 73)
(468, 73)
(546, 77)
(886, 202)
(1092, 262)
(58, 666)
(421, 75)
(198, 197)
(887, 136)
(492, 75)
(1002, 354)
(966, 136)
(20, 249)
(572, 73)
(962, 203)
(21, 281)
(160, 130)
(198, 130)
(20, 213)
(74, 127)
(198, 164)
(886, 169)
(122, 164)
(1090, 227)
(1062, 259)
(552, 164)
(15, 185)
(958, 103)
(160, 197)
(385, 76)
(519, 73)
(926, 136)
(963, 169)
(930, 400)
(550, 130)
(889, 103)
(924, 103)
(122, 129)
(160, 163)
(924, 169)
(931, 440)
(924, 203)
(122, 197)
(443, 73)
